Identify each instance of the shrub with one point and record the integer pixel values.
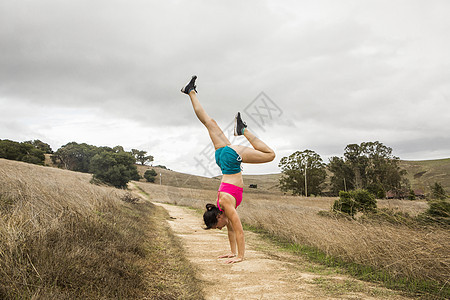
(129, 198)
(150, 175)
(412, 195)
(439, 208)
(438, 212)
(354, 201)
(365, 200)
(438, 191)
(390, 216)
(345, 203)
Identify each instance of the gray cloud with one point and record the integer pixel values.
(341, 72)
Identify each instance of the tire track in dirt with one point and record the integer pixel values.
(266, 272)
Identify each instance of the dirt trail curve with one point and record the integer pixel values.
(266, 273)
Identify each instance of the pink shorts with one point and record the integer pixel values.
(231, 189)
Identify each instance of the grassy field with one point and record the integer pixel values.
(61, 236)
(64, 238)
(413, 257)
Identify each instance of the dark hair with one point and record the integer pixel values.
(210, 215)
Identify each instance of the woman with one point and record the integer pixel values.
(229, 158)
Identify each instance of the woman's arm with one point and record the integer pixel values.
(232, 239)
(238, 231)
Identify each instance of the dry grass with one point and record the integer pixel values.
(62, 237)
(412, 208)
(415, 252)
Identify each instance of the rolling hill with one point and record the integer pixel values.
(265, 183)
(421, 175)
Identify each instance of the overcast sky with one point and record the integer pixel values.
(315, 75)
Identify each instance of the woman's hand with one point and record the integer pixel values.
(227, 255)
(235, 260)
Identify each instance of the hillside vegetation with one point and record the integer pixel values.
(265, 183)
(421, 175)
(64, 238)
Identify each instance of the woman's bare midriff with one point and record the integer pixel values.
(235, 179)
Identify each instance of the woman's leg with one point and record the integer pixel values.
(216, 134)
(260, 154)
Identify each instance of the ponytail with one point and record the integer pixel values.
(210, 215)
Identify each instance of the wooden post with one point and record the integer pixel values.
(306, 184)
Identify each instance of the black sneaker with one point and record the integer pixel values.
(239, 125)
(190, 86)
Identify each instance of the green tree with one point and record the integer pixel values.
(44, 147)
(111, 165)
(343, 179)
(76, 157)
(370, 165)
(118, 149)
(377, 189)
(33, 155)
(150, 175)
(299, 165)
(141, 156)
(21, 151)
(116, 169)
(126, 159)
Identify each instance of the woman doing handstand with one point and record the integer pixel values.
(229, 158)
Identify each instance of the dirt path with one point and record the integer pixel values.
(266, 273)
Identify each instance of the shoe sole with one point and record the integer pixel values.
(235, 125)
(183, 89)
